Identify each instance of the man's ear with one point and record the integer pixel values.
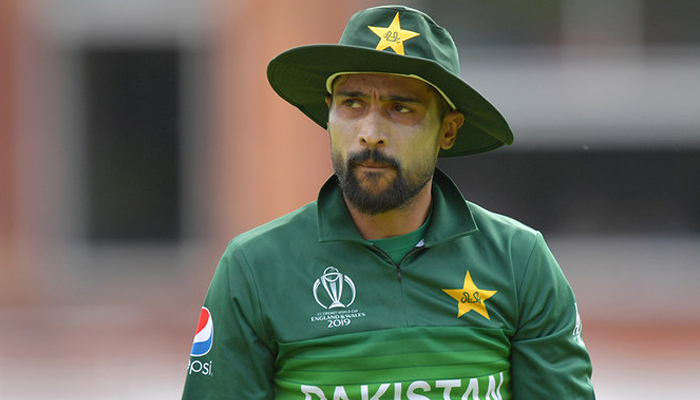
(328, 101)
(450, 126)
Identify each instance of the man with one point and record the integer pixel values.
(390, 285)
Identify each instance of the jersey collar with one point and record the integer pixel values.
(451, 216)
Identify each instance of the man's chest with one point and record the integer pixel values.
(342, 293)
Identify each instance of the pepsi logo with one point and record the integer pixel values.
(204, 337)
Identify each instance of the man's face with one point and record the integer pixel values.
(386, 132)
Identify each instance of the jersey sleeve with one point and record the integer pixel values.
(239, 363)
(548, 357)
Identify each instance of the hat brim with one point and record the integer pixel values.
(299, 76)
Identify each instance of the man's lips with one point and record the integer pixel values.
(373, 165)
(372, 161)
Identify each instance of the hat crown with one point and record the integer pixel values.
(392, 28)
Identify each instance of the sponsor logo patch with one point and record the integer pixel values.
(204, 336)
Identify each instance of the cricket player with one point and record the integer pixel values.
(390, 285)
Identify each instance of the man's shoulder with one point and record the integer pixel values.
(301, 222)
(493, 223)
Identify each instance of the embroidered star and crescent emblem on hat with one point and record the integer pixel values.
(470, 297)
(393, 36)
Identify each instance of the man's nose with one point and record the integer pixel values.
(372, 131)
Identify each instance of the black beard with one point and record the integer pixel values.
(398, 194)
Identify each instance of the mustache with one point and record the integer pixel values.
(372, 155)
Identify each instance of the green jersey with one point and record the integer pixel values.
(305, 308)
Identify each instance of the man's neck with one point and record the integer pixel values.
(395, 222)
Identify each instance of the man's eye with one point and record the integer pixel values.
(351, 103)
(401, 109)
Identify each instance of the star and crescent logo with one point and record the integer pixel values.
(470, 297)
(393, 36)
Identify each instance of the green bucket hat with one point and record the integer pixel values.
(395, 40)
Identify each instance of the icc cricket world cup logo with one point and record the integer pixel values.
(339, 288)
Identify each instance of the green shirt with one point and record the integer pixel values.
(305, 308)
(398, 246)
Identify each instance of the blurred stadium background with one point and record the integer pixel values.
(138, 137)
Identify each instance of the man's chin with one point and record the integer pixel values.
(375, 199)
(375, 181)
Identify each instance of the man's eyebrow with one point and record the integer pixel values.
(396, 98)
(348, 93)
(401, 99)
